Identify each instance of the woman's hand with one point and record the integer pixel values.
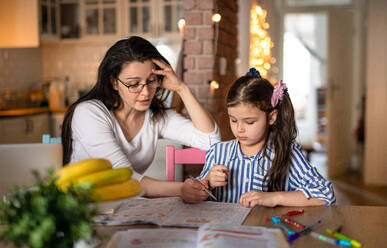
(217, 176)
(258, 198)
(193, 192)
(170, 80)
(201, 119)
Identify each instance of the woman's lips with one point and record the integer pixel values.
(242, 138)
(144, 102)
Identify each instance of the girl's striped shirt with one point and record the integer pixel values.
(246, 174)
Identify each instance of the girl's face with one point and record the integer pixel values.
(130, 85)
(250, 125)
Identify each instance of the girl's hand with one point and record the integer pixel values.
(193, 192)
(170, 80)
(258, 198)
(217, 176)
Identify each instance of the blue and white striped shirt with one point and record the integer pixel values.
(246, 174)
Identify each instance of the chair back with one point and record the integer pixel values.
(47, 139)
(181, 156)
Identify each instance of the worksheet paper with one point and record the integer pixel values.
(208, 236)
(172, 211)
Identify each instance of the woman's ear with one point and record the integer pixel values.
(114, 83)
(273, 116)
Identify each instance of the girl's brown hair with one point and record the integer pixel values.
(251, 89)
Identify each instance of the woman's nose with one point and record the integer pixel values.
(145, 90)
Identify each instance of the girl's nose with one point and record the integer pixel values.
(241, 128)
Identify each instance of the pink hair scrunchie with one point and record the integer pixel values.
(278, 93)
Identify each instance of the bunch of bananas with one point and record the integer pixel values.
(110, 184)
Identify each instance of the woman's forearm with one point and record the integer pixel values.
(200, 118)
(156, 188)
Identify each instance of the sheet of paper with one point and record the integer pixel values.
(154, 237)
(196, 215)
(208, 236)
(140, 211)
(230, 236)
(172, 211)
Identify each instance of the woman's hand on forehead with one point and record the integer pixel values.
(170, 80)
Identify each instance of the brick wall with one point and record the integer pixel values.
(204, 44)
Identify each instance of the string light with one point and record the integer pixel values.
(216, 17)
(260, 42)
(181, 23)
(214, 84)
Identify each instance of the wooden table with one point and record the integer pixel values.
(366, 224)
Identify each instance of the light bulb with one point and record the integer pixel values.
(216, 17)
(214, 84)
(181, 23)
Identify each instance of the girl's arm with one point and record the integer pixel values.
(281, 198)
(188, 190)
(199, 116)
(296, 198)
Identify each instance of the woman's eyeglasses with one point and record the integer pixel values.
(136, 88)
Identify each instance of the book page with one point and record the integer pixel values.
(172, 211)
(140, 211)
(154, 237)
(196, 215)
(225, 236)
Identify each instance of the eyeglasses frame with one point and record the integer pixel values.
(143, 85)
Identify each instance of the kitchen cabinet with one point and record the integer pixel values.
(19, 24)
(153, 18)
(24, 129)
(48, 19)
(56, 120)
(109, 19)
(100, 18)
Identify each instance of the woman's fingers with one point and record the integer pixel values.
(162, 72)
(192, 192)
(161, 64)
(164, 68)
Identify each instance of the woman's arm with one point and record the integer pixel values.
(201, 119)
(188, 190)
(199, 116)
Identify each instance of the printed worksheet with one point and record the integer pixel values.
(229, 236)
(172, 211)
(154, 237)
(207, 236)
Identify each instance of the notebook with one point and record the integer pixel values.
(18, 160)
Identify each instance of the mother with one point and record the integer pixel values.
(123, 116)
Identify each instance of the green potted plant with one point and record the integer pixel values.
(45, 216)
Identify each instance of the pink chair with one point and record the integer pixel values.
(181, 156)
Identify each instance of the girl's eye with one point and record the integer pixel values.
(250, 122)
(234, 121)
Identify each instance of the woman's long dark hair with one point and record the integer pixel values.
(124, 51)
(258, 91)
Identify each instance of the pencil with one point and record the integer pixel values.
(204, 188)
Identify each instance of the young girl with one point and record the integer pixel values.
(263, 165)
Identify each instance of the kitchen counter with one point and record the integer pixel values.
(29, 111)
